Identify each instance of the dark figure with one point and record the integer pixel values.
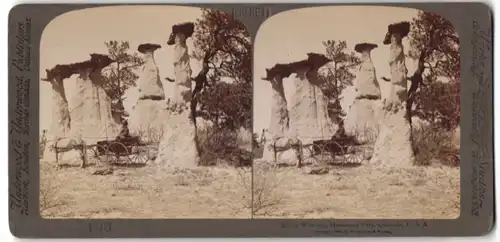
(124, 133)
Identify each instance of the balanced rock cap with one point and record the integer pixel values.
(143, 48)
(401, 28)
(283, 70)
(100, 60)
(317, 60)
(185, 28)
(63, 71)
(361, 47)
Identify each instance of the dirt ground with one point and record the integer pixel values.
(356, 192)
(144, 192)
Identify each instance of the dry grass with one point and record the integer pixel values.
(150, 135)
(362, 192)
(147, 192)
(267, 190)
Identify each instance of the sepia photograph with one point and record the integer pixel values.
(145, 113)
(356, 115)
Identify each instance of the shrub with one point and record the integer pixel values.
(432, 144)
(220, 146)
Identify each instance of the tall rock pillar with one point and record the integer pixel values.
(393, 146)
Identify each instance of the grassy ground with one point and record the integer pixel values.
(222, 192)
(357, 192)
(145, 192)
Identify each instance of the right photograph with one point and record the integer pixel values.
(356, 114)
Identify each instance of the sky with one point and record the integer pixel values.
(72, 36)
(287, 37)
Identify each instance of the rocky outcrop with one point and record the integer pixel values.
(393, 146)
(182, 67)
(362, 118)
(309, 118)
(148, 116)
(279, 122)
(178, 146)
(91, 116)
(60, 125)
(149, 83)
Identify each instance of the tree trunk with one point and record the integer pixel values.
(417, 78)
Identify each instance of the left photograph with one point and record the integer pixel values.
(145, 112)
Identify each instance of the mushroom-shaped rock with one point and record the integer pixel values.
(181, 89)
(91, 116)
(309, 118)
(366, 82)
(147, 48)
(177, 147)
(393, 145)
(149, 83)
(148, 114)
(186, 29)
(364, 47)
(398, 89)
(401, 29)
(362, 117)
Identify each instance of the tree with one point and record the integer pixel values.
(338, 77)
(120, 76)
(227, 105)
(434, 44)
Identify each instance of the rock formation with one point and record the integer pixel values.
(182, 68)
(362, 118)
(393, 146)
(60, 125)
(309, 118)
(279, 123)
(149, 83)
(91, 116)
(147, 117)
(178, 147)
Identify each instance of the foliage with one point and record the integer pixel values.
(220, 31)
(431, 144)
(120, 76)
(220, 146)
(340, 76)
(225, 104)
(439, 104)
(435, 39)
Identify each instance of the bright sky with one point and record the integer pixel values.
(288, 36)
(71, 37)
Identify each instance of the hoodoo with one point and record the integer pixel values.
(362, 118)
(148, 114)
(309, 119)
(178, 147)
(393, 146)
(91, 116)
